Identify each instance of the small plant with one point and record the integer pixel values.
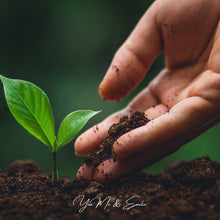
(31, 108)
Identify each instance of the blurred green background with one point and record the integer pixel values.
(65, 47)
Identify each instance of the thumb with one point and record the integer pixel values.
(133, 58)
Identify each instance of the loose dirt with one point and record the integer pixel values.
(186, 190)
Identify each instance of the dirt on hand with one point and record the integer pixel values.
(124, 125)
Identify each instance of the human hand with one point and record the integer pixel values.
(183, 99)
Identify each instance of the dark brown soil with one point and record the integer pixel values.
(186, 190)
(124, 125)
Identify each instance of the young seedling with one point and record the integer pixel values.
(31, 108)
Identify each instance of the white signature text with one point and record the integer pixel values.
(106, 202)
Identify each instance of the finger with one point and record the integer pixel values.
(213, 62)
(133, 59)
(85, 172)
(92, 138)
(184, 117)
(156, 111)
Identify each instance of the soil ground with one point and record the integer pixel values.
(186, 190)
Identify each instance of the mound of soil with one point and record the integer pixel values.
(186, 190)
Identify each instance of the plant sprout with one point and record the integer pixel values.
(31, 108)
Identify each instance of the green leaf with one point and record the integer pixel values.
(31, 108)
(72, 124)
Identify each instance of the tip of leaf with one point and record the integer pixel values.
(97, 111)
(3, 78)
